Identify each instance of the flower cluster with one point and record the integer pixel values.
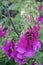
(26, 47)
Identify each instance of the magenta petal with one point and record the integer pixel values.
(37, 45)
(20, 56)
(8, 47)
(36, 27)
(22, 41)
(28, 30)
(2, 34)
(20, 50)
(39, 7)
(39, 19)
(3, 49)
(42, 19)
(30, 53)
(20, 61)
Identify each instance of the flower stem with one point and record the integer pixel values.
(11, 20)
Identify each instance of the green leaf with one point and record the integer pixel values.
(5, 3)
(38, 57)
(2, 63)
(11, 62)
(14, 6)
(41, 33)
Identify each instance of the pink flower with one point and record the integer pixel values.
(8, 30)
(39, 19)
(29, 43)
(8, 47)
(36, 27)
(29, 18)
(39, 7)
(36, 45)
(2, 33)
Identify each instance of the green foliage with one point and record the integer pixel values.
(41, 33)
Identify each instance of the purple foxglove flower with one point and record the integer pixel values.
(29, 43)
(39, 19)
(8, 47)
(39, 7)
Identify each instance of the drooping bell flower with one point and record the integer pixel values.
(2, 33)
(29, 43)
(39, 7)
(8, 47)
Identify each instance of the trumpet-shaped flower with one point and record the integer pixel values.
(29, 43)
